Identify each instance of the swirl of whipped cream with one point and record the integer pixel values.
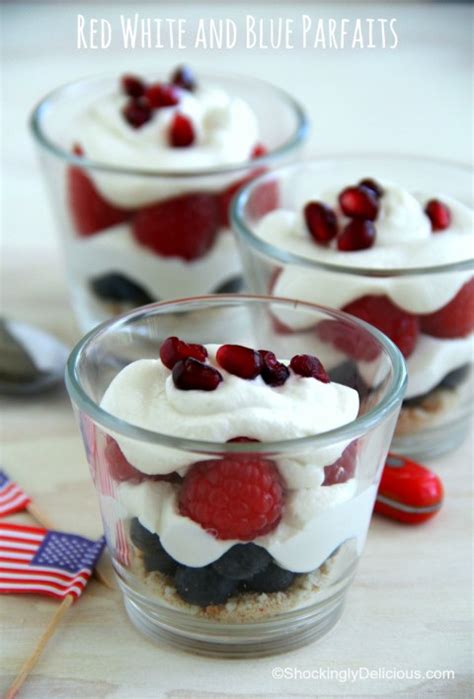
(404, 240)
(144, 394)
(226, 131)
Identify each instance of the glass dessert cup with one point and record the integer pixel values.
(317, 549)
(438, 404)
(107, 213)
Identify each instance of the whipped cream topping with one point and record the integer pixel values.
(404, 240)
(143, 393)
(226, 131)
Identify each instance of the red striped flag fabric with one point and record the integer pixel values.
(12, 497)
(40, 561)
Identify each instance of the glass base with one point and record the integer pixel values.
(434, 442)
(278, 635)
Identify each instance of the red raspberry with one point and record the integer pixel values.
(89, 211)
(122, 470)
(184, 226)
(401, 327)
(342, 469)
(456, 319)
(233, 498)
(173, 349)
(350, 340)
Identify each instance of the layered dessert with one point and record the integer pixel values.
(385, 244)
(140, 236)
(235, 535)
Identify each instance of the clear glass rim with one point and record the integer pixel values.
(349, 432)
(240, 226)
(298, 136)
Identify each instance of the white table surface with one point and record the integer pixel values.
(409, 607)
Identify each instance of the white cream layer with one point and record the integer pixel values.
(116, 250)
(315, 522)
(226, 133)
(143, 393)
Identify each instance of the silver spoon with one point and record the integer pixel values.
(31, 360)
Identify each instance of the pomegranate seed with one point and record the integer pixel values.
(359, 202)
(240, 361)
(274, 373)
(321, 222)
(173, 349)
(439, 215)
(137, 112)
(242, 439)
(189, 374)
(258, 151)
(133, 86)
(160, 95)
(184, 77)
(309, 366)
(181, 131)
(371, 184)
(357, 235)
(78, 150)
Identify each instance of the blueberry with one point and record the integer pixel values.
(272, 579)
(117, 287)
(242, 561)
(143, 539)
(203, 586)
(455, 377)
(230, 286)
(159, 560)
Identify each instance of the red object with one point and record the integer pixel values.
(90, 212)
(353, 341)
(308, 366)
(439, 215)
(240, 361)
(37, 561)
(242, 440)
(359, 202)
(369, 183)
(344, 468)
(118, 467)
(133, 86)
(358, 234)
(456, 319)
(233, 498)
(408, 492)
(181, 132)
(274, 373)
(184, 226)
(320, 221)
(191, 375)
(173, 349)
(137, 112)
(401, 327)
(12, 497)
(162, 95)
(184, 78)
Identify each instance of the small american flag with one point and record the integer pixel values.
(35, 560)
(12, 497)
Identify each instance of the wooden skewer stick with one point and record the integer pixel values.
(40, 646)
(47, 524)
